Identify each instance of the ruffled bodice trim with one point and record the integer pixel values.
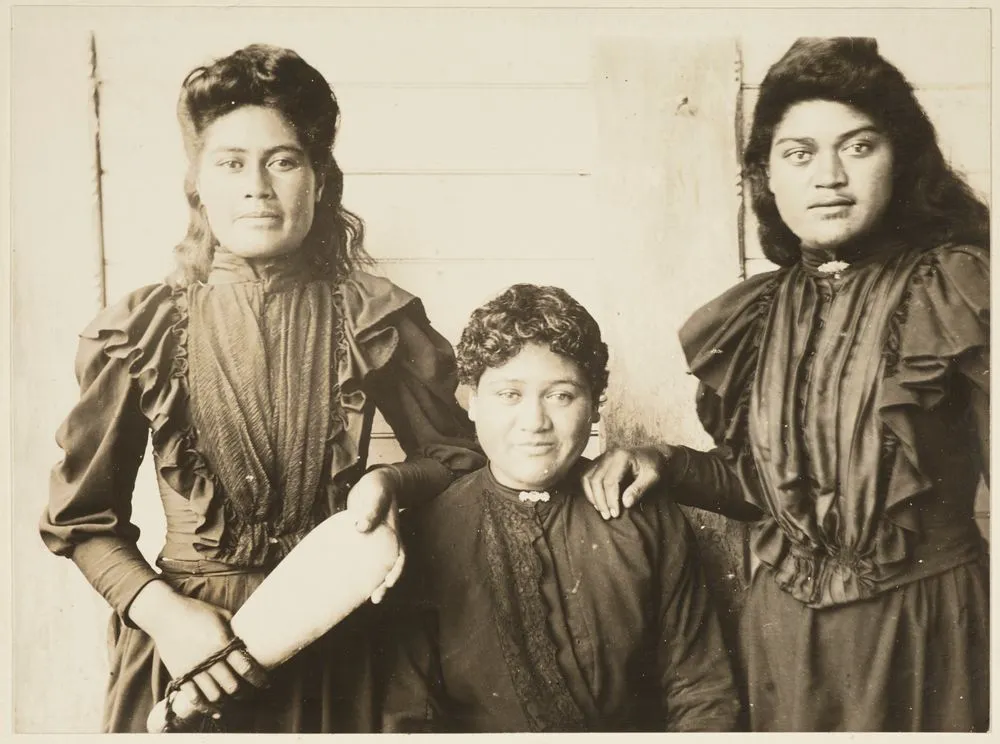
(150, 330)
(851, 492)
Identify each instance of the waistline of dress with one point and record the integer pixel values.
(823, 580)
(177, 567)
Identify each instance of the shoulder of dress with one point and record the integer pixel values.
(463, 491)
(722, 335)
(446, 522)
(948, 279)
(733, 311)
(139, 309)
(962, 262)
(369, 300)
(949, 250)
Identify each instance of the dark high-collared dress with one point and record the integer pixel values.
(852, 409)
(258, 388)
(523, 617)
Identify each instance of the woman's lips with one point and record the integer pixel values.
(260, 219)
(536, 446)
(832, 204)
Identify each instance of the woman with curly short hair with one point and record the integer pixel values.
(525, 610)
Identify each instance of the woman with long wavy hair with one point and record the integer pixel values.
(256, 367)
(848, 395)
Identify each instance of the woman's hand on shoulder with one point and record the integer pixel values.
(186, 632)
(375, 500)
(618, 478)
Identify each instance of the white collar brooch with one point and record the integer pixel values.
(833, 267)
(533, 497)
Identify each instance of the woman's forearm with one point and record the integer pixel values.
(151, 606)
(706, 480)
(418, 480)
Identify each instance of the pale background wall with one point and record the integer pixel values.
(482, 147)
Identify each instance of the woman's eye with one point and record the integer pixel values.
(860, 148)
(283, 164)
(562, 397)
(230, 164)
(508, 396)
(798, 157)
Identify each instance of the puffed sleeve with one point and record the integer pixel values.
(721, 343)
(696, 673)
(409, 371)
(967, 274)
(103, 439)
(939, 339)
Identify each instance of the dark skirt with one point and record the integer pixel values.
(329, 687)
(912, 659)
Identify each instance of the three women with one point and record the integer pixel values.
(847, 392)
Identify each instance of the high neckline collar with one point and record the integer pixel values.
(558, 492)
(273, 271)
(855, 254)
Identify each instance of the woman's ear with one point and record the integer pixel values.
(472, 406)
(320, 183)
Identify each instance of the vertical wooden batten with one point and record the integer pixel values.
(59, 622)
(742, 191)
(670, 220)
(98, 172)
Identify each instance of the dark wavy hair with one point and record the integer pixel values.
(930, 203)
(262, 75)
(530, 314)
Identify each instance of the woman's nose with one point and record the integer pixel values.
(830, 171)
(258, 183)
(533, 416)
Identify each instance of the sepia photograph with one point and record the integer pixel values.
(499, 369)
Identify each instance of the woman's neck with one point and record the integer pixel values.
(229, 267)
(870, 245)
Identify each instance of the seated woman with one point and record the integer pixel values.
(524, 610)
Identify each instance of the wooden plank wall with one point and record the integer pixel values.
(475, 147)
(58, 655)
(674, 212)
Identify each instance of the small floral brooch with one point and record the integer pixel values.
(833, 267)
(533, 497)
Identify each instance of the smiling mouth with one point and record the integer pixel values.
(537, 446)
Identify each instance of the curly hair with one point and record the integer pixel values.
(530, 314)
(930, 203)
(273, 77)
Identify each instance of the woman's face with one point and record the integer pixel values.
(256, 183)
(533, 417)
(830, 170)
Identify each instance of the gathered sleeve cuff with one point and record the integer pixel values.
(721, 342)
(88, 517)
